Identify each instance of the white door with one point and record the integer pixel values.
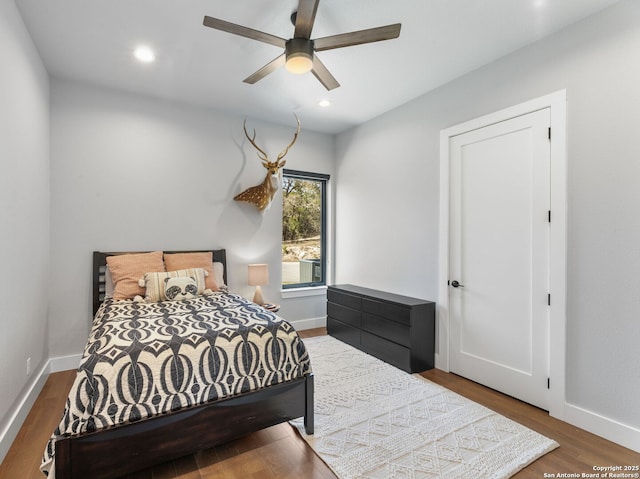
(499, 256)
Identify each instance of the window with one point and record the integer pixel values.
(303, 229)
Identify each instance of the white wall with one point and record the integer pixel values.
(134, 173)
(387, 195)
(24, 214)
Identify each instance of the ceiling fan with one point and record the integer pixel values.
(298, 56)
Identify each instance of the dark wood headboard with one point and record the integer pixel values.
(100, 267)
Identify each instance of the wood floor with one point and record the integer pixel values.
(278, 452)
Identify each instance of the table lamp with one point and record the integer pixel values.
(258, 276)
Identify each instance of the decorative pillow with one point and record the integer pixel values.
(126, 270)
(108, 283)
(218, 273)
(176, 261)
(154, 283)
(176, 289)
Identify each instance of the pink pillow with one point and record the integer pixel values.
(127, 269)
(176, 261)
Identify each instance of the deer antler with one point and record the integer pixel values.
(261, 154)
(295, 137)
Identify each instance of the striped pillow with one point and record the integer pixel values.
(154, 282)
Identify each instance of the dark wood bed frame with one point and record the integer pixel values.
(115, 452)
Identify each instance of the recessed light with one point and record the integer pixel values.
(324, 103)
(144, 54)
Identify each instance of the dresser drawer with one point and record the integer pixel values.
(396, 332)
(343, 332)
(345, 299)
(344, 314)
(389, 352)
(390, 311)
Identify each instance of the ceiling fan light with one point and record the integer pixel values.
(299, 63)
(299, 52)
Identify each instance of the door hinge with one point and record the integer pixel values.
(549, 299)
(549, 134)
(549, 216)
(548, 383)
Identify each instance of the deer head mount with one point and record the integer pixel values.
(261, 195)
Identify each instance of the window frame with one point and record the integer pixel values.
(323, 179)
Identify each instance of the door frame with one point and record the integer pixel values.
(557, 102)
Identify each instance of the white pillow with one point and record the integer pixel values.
(218, 274)
(108, 284)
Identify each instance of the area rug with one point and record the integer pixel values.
(375, 421)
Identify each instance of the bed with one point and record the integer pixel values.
(157, 381)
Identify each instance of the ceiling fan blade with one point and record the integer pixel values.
(265, 70)
(323, 75)
(370, 35)
(243, 31)
(305, 16)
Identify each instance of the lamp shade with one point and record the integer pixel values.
(258, 274)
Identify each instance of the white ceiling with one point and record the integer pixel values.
(92, 41)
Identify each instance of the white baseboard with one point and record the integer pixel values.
(53, 365)
(64, 363)
(310, 323)
(605, 427)
(8, 435)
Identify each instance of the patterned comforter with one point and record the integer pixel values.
(144, 360)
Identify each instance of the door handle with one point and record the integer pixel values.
(455, 284)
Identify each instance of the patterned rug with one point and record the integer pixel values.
(375, 421)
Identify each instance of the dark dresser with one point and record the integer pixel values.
(397, 329)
